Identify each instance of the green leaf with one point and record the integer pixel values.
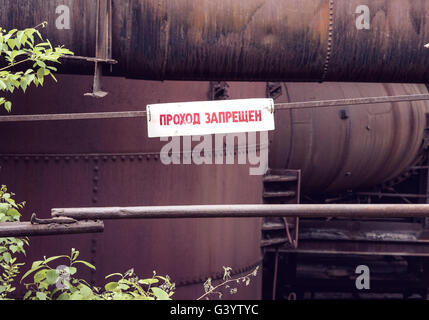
(8, 106)
(148, 281)
(43, 285)
(4, 207)
(13, 213)
(51, 276)
(41, 64)
(71, 270)
(111, 286)
(113, 274)
(27, 295)
(2, 85)
(24, 84)
(40, 73)
(76, 296)
(85, 291)
(64, 296)
(7, 257)
(85, 263)
(53, 77)
(39, 276)
(74, 254)
(123, 286)
(54, 258)
(31, 271)
(11, 43)
(36, 264)
(160, 294)
(41, 295)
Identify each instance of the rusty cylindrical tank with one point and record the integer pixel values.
(342, 148)
(288, 40)
(113, 163)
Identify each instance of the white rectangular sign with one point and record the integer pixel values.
(208, 117)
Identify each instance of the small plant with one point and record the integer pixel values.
(9, 247)
(229, 283)
(130, 287)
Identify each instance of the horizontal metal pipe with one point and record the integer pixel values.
(247, 210)
(19, 229)
(279, 107)
(350, 101)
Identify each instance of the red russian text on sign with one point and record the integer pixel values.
(208, 117)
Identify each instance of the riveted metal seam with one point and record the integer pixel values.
(330, 38)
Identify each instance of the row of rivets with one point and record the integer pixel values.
(330, 36)
(105, 158)
(86, 158)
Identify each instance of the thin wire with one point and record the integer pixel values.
(279, 107)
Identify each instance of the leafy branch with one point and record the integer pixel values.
(60, 283)
(227, 280)
(24, 46)
(9, 246)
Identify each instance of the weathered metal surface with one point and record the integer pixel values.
(342, 148)
(272, 40)
(380, 248)
(110, 162)
(358, 230)
(19, 229)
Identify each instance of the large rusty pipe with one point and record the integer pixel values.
(248, 210)
(254, 40)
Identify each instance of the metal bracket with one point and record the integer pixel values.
(274, 90)
(218, 90)
(103, 48)
(58, 220)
